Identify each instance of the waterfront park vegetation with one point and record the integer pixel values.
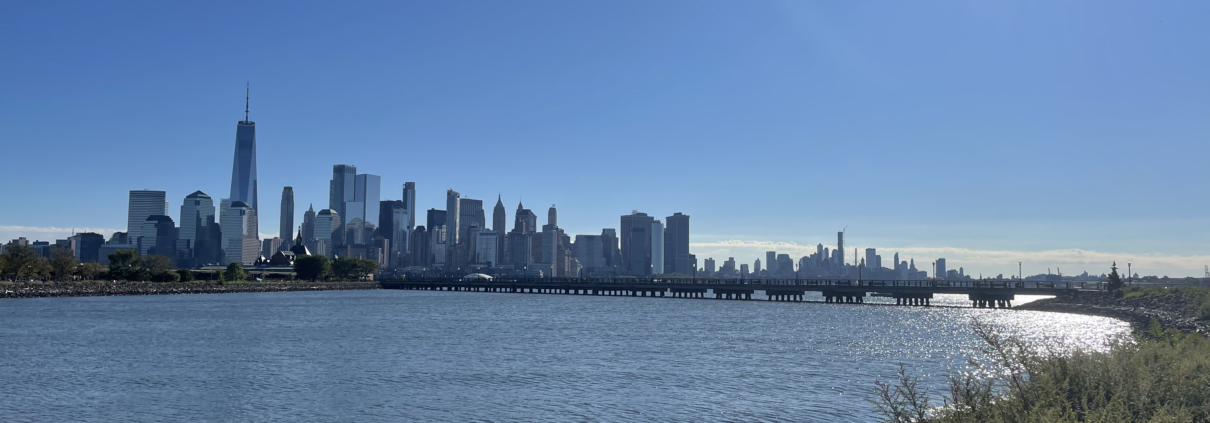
(21, 263)
(1156, 375)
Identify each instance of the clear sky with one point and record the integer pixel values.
(1065, 134)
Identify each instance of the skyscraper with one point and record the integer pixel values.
(839, 252)
(609, 241)
(286, 224)
(327, 226)
(657, 247)
(367, 192)
(197, 221)
(485, 248)
(341, 187)
(419, 244)
(500, 227)
(871, 260)
(452, 213)
(143, 204)
(243, 167)
(434, 219)
(240, 244)
(636, 243)
(525, 221)
(676, 245)
(409, 201)
(159, 237)
(590, 251)
(87, 246)
(308, 228)
(499, 218)
(771, 263)
(940, 269)
(392, 225)
(471, 215)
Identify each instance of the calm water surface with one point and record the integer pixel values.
(452, 356)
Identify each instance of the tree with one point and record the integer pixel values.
(22, 263)
(63, 263)
(312, 268)
(124, 264)
(158, 264)
(184, 275)
(90, 271)
(1115, 281)
(345, 268)
(234, 273)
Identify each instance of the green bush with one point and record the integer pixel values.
(1164, 376)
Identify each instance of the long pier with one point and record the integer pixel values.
(981, 293)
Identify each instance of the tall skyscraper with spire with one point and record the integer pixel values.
(243, 168)
(499, 218)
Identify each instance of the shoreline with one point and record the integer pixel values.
(124, 288)
(1139, 316)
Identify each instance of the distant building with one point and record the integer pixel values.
(657, 247)
(940, 272)
(286, 222)
(771, 263)
(434, 218)
(308, 229)
(269, 247)
(243, 167)
(452, 215)
(785, 265)
(341, 187)
(239, 226)
(87, 246)
(676, 245)
(839, 252)
(636, 243)
(409, 201)
(327, 225)
(499, 218)
(613, 254)
(471, 214)
(486, 248)
(198, 242)
(419, 242)
(143, 204)
(590, 252)
(158, 231)
(367, 192)
(393, 219)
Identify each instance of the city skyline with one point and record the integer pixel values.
(918, 187)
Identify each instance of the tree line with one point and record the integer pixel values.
(22, 263)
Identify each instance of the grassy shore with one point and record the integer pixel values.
(1159, 374)
(110, 288)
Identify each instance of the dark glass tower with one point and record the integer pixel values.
(243, 168)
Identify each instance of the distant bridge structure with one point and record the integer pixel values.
(981, 293)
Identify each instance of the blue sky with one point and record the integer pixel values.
(1060, 133)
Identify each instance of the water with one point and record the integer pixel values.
(452, 356)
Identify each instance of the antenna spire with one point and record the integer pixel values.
(247, 90)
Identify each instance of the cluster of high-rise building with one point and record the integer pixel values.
(358, 222)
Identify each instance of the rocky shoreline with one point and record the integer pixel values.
(108, 288)
(1138, 312)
